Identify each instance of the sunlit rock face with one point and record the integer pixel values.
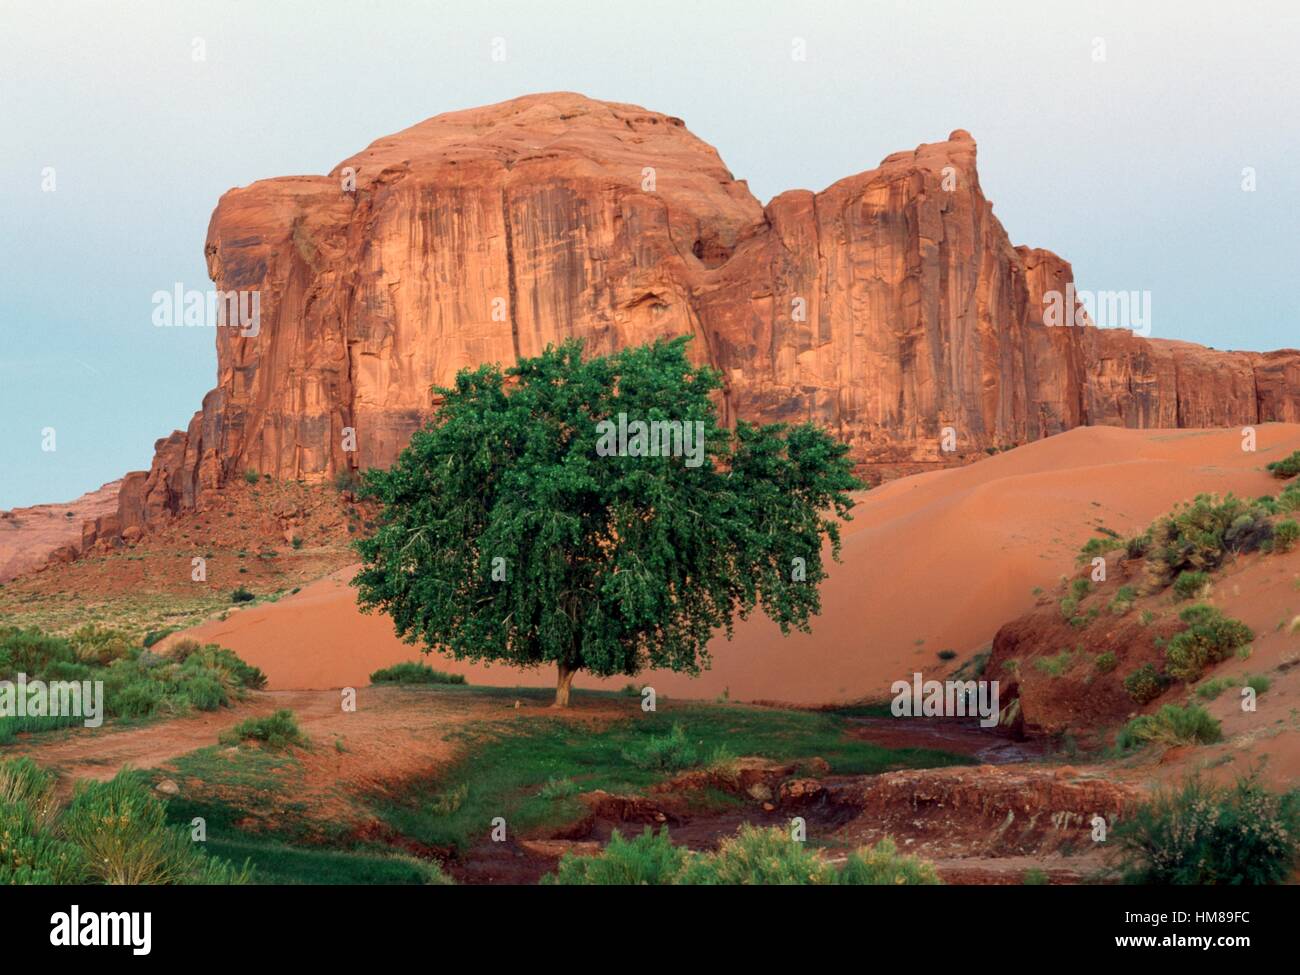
(886, 308)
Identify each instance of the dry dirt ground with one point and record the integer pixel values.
(393, 735)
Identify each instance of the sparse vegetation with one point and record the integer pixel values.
(138, 683)
(1145, 684)
(1123, 601)
(1198, 535)
(251, 476)
(1057, 665)
(275, 732)
(1173, 724)
(1285, 535)
(1200, 833)
(412, 672)
(1105, 662)
(1286, 467)
(1210, 637)
(753, 856)
(242, 595)
(1190, 585)
(113, 832)
(1098, 546)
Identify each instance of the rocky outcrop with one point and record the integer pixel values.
(31, 538)
(885, 308)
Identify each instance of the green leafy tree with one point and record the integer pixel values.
(519, 526)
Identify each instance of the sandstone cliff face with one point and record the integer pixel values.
(886, 307)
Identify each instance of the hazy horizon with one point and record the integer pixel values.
(1130, 166)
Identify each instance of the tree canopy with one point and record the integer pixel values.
(590, 512)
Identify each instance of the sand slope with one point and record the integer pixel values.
(931, 562)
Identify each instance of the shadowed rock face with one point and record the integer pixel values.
(884, 308)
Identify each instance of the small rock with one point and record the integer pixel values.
(168, 788)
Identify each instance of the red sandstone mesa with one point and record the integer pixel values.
(572, 217)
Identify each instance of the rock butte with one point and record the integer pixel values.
(920, 313)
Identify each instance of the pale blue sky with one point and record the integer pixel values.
(1129, 167)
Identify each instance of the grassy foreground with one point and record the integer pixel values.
(528, 770)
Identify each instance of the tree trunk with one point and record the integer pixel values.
(563, 682)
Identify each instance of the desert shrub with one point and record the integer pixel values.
(1285, 535)
(411, 672)
(1055, 666)
(347, 481)
(133, 696)
(1190, 584)
(242, 595)
(1034, 877)
(1198, 535)
(1068, 605)
(446, 803)
(1268, 504)
(947, 654)
(1209, 638)
(758, 857)
(99, 645)
(1124, 600)
(1106, 662)
(667, 753)
(1289, 499)
(1138, 545)
(1078, 622)
(68, 670)
(1145, 684)
(649, 858)
(1249, 531)
(276, 731)
(1173, 724)
(1097, 546)
(24, 783)
(30, 652)
(882, 864)
(220, 663)
(155, 636)
(752, 856)
(251, 476)
(1080, 588)
(121, 829)
(32, 854)
(1211, 689)
(1259, 683)
(206, 693)
(1202, 833)
(1286, 467)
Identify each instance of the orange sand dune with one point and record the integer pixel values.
(931, 562)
